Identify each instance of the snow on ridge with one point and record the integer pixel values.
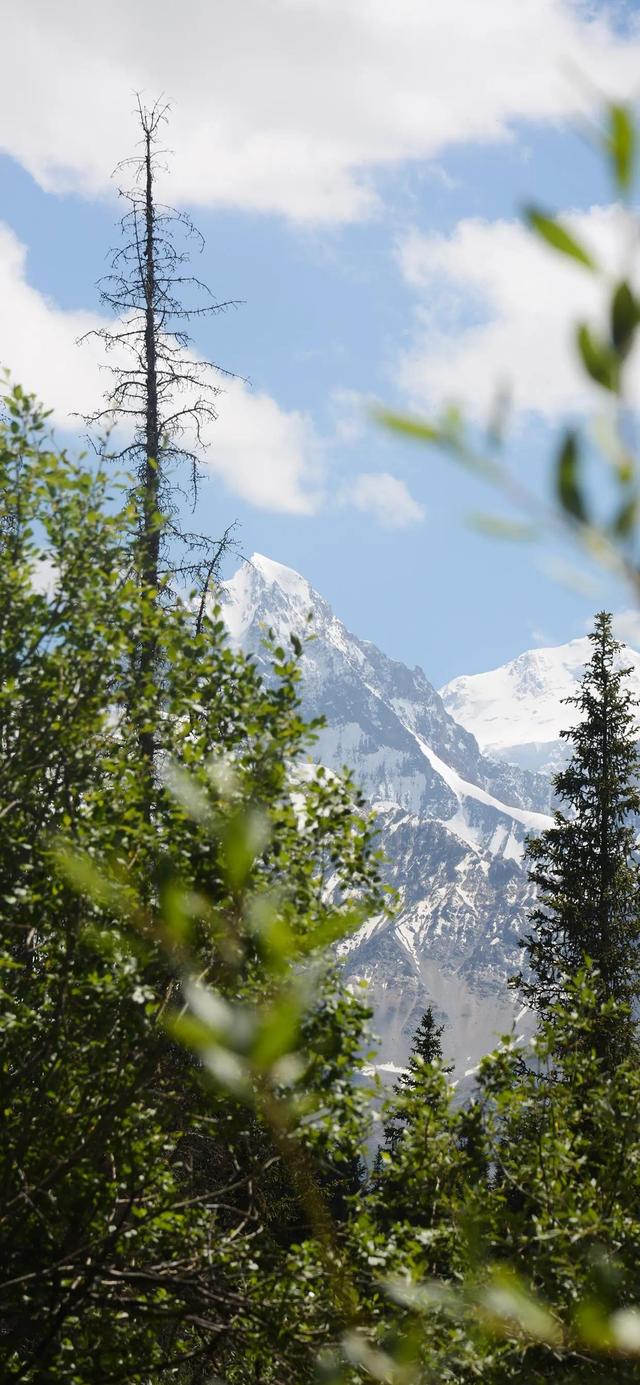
(248, 596)
(522, 703)
(245, 594)
(247, 590)
(292, 583)
(463, 788)
(452, 935)
(238, 604)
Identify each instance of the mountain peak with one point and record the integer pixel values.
(452, 823)
(265, 591)
(517, 711)
(277, 575)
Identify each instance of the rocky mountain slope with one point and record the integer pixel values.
(517, 711)
(452, 821)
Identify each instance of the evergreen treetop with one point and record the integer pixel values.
(426, 1047)
(584, 866)
(426, 1050)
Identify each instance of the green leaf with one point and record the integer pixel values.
(449, 435)
(331, 930)
(510, 1305)
(599, 360)
(568, 489)
(418, 429)
(279, 1031)
(84, 876)
(558, 237)
(592, 1325)
(246, 835)
(621, 144)
(625, 316)
(625, 520)
(499, 528)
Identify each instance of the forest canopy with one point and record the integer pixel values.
(202, 1181)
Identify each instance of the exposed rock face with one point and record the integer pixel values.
(452, 821)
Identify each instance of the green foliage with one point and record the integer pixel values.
(143, 1188)
(606, 531)
(414, 1085)
(584, 867)
(500, 1240)
(534, 1206)
(558, 237)
(185, 1107)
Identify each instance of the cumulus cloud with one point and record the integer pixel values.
(497, 308)
(270, 457)
(626, 627)
(266, 455)
(289, 105)
(386, 498)
(38, 339)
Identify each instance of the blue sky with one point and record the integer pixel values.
(357, 170)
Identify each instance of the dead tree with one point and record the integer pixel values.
(161, 395)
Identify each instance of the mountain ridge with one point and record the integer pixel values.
(452, 821)
(516, 711)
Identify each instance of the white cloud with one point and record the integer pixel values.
(38, 340)
(270, 457)
(626, 627)
(288, 105)
(386, 498)
(497, 308)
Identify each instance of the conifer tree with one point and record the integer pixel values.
(420, 1177)
(426, 1049)
(584, 867)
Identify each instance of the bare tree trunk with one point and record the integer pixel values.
(165, 395)
(150, 519)
(151, 483)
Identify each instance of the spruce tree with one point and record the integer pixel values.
(426, 1049)
(584, 867)
(419, 1182)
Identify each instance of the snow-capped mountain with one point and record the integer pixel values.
(516, 712)
(452, 820)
